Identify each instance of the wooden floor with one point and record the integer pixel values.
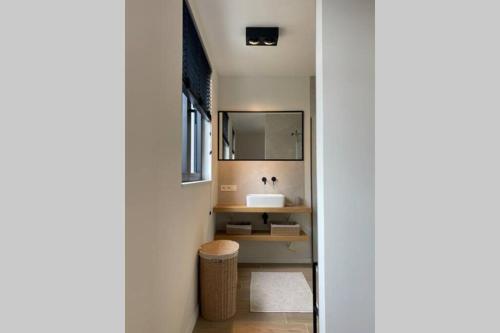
(260, 322)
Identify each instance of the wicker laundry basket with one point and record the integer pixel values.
(218, 279)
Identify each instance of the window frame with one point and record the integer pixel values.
(196, 104)
(193, 137)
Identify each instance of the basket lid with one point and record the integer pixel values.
(219, 249)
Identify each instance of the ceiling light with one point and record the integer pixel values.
(262, 36)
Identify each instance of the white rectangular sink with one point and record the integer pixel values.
(265, 200)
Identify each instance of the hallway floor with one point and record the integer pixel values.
(260, 322)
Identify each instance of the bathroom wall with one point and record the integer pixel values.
(247, 176)
(166, 222)
(269, 94)
(294, 180)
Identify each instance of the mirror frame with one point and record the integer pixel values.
(263, 160)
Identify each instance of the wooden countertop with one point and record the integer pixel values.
(262, 236)
(225, 208)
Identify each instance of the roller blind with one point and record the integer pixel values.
(196, 70)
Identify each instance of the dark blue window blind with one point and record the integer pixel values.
(196, 70)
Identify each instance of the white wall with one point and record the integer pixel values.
(268, 94)
(166, 222)
(345, 157)
(257, 93)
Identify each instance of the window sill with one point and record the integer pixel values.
(196, 182)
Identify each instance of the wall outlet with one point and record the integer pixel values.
(228, 188)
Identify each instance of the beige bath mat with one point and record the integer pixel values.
(280, 292)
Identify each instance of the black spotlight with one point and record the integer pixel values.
(262, 36)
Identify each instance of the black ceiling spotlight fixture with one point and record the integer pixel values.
(262, 36)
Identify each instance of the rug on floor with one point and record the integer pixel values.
(280, 292)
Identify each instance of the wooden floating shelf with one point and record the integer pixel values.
(264, 236)
(221, 208)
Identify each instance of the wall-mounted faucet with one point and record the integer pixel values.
(264, 180)
(274, 179)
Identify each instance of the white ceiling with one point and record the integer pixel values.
(223, 24)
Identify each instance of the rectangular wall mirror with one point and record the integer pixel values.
(261, 136)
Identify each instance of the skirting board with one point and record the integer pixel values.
(274, 261)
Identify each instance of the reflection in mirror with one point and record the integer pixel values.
(261, 135)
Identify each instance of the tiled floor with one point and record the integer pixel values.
(252, 322)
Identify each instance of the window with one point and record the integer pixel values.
(196, 104)
(193, 135)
